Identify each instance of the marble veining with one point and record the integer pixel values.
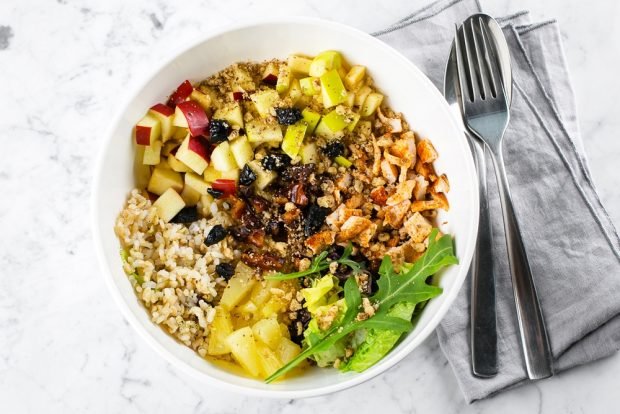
(64, 347)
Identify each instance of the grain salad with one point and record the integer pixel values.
(278, 206)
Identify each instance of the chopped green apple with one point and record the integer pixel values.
(355, 77)
(169, 204)
(177, 165)
(294, 91)
(324, 62)
(293, 138)
(260, 132)
(193, 153)
(372, 102)
(162, 179)
(165, 115)
(242, 150)
(312, 119)
(337, 120)
(361, 95)
(152, 154)
(309, 154)
(148, 130)
(284, 79)
(299, 65)
(222, 158)
(230, 112)
(263, 177)
(310, 86)
(342, 161)
(243, 79)
(201, 99)
(350, 101)
(196, 182)
(332, 89)
(264, 101)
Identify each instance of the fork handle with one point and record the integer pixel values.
(534, 339)
(483, 335)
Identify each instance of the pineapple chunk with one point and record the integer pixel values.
(284, 331)
(273, 307)
(238, 286)
(269, 362)
(243, 349)
(260, 294)
(268, 332)
(221, 328)
(287, 350)
(247, 309)
(169, 204)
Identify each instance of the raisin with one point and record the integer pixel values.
(247, 176)
(276, 161)
(225, 270)
(299, 325)
(288, 116)
(218, 130)
(216, 235)
(215, 193)
(333, 149)
(186, 215)
(314, 219)
(240, 232)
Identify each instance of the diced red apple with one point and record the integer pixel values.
(182, 92)
(152, 154)
(169, 204)
(194, 152)
(230, 112)
(148, 130)
(196, 182)
(190, 115)
(142, 173)
(190, 196)
(228, 187)
(201, 99)
(222, 158)
(270, 75)
(162, 179)
(211, 174)
(177, 165)
(165, 115)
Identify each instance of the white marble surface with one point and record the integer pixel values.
(64, 347)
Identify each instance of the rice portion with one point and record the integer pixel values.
(171, 269)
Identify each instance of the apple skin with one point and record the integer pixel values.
(165, 115)
(148, 130)
(270, 76)
(182, 92)
(143, 135)
(200, 146)
(237, 96)
(197, 119)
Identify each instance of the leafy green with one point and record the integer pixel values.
(408, 287)
(319, 264)
(378, 342)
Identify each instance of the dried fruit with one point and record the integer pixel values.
(314, 219)
(298, 195)
(265, 261)
(247, 176)
(288, 116)
(276, 161)
(216, 235)
(218, 130)
(186, 215)
(225, 270)
(215, 193)
(334, 149)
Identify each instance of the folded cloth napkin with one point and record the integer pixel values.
(572, 244)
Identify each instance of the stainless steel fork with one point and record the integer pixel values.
(486, 115)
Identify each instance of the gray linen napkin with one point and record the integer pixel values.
(572, 244)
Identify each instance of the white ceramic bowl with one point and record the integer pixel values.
(407, 90)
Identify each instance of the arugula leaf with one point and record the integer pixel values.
(319, 264)
(409, 286)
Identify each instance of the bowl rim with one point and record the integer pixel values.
(465, 256)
